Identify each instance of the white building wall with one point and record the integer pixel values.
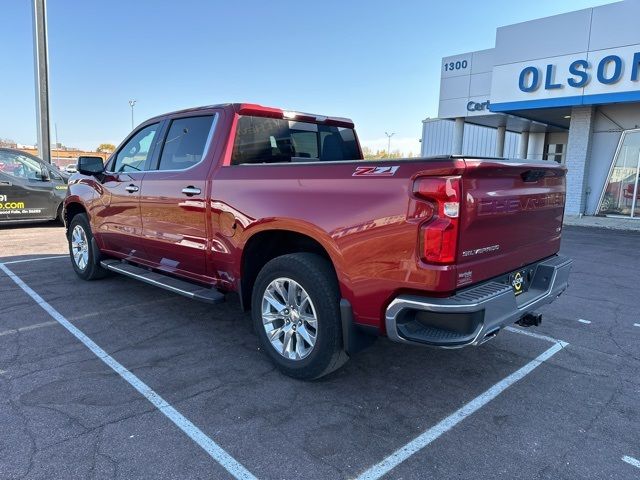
(465, 78)
(437, 139)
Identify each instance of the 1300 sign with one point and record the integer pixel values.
(459, 65)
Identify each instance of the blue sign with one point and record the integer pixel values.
(609, 71)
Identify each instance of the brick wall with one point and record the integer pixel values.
(578, 156)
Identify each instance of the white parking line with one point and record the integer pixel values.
(27, 328)
(631, 461)
(235, 468)
(535, 335)
(33, 260)
(423, 440)
(582, 320)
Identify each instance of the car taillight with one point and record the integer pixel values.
(439, 235)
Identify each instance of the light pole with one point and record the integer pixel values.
(41, 70)
(132, 103)
(389, 135)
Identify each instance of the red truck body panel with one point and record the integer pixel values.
(511, 221)
(368, 225)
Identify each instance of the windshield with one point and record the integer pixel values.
(271, 140)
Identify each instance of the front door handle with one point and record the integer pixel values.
(190, 191)
(131, 188)
(6, 184)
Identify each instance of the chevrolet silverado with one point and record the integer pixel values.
(326, 249)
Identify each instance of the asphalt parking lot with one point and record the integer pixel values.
(562, 406)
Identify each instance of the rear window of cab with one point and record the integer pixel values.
(272, 140)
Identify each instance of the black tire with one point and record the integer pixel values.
(316, 276)
(92, 269)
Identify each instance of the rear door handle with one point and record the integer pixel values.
(131, 188)
(6, 184)
(190, 191)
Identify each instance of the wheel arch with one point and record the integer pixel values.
(267, 244)
(71, 209)
(264, 245)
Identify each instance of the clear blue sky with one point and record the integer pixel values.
(377, 62)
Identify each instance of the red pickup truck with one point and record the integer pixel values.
(326, 249)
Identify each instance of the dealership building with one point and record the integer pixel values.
(564, 88)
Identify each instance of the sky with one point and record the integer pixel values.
(377, 62)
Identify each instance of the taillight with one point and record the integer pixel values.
(439, 235)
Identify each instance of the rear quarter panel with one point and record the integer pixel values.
(368, 225)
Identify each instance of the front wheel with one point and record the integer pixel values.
(296, 314)
(84, 257)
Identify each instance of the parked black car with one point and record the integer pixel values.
(30, 189)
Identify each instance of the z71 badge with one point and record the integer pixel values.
(375, 171)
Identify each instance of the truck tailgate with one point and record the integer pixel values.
(511, 216)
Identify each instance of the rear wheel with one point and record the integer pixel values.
(296, 314)
(84, 257)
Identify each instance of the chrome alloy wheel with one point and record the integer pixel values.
(80, 247)
(289, 318)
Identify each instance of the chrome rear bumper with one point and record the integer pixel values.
(475, 314)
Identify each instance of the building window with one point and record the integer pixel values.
(621, 192)
(554, 152)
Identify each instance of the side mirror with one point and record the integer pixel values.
(44, 174)
(90, 165)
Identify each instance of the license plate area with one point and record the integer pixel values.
(519, 281)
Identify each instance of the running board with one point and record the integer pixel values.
(181, 287)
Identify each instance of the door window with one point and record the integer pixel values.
(20, 166)
(135, 155)
(55, 175)
(186, 143)
(555, 152)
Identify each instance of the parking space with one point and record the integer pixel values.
(71, 415)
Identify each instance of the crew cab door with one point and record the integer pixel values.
(26, 189)
(117, 218)
(173, 197)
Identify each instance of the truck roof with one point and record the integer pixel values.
(263, 111)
